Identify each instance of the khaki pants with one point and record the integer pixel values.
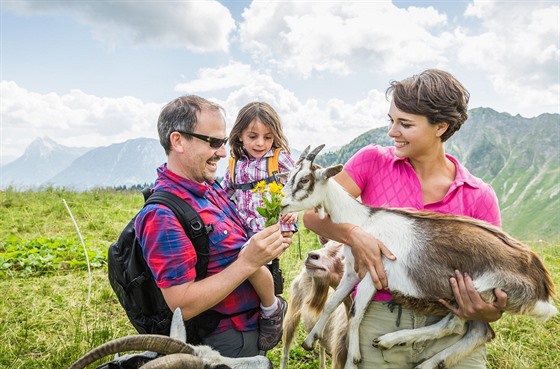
(379, 320)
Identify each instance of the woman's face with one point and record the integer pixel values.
(412, 134)
(257, 139)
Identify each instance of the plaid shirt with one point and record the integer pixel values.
(249, 170)
(170, 253)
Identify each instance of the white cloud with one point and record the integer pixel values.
(305, 122)
(517, 47)
(74, 119)
(201, 26)
(337, 37)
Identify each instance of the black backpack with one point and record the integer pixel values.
(134, 285)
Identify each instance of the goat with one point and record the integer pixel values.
(429, 248)
(321, 273)
(178, 353)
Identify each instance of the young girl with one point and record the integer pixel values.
(256, 133)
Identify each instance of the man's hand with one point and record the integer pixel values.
(470, 305)
(368, 252)
(264, 246)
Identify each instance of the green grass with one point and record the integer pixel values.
(45, 322)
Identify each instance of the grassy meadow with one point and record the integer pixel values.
(48, 319)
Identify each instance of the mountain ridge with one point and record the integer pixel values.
(519, 157)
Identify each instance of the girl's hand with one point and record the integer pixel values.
(290, 218)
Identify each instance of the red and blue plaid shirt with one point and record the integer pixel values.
(171, 256)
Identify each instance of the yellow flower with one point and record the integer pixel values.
(276, 188)
(272, 200)
(260, 186)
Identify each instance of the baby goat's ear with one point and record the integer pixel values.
(324, 174)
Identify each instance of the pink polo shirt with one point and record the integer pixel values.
(389, 181)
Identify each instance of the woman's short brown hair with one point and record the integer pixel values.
(435, 94)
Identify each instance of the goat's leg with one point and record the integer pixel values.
(478, 333)
(364, 293)
(448, 325)
(349, 280)
(291, 321)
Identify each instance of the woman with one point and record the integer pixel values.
(426, 110)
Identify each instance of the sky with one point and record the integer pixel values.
(90, 73)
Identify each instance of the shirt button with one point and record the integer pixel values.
(225, 232)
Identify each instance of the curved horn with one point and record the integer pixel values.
(314, 153)
(175, 361)
(304, 153)
(139, 342)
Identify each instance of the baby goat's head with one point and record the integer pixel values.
(306, 184)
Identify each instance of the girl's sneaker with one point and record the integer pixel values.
(270, 328)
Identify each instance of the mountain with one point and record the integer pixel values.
(124, 164)
(42, 159)
(519, 157)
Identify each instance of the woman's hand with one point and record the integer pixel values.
(368, 252)
(470, 306)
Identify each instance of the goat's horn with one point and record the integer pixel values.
(314, 153)
(176, 361)
(139, 342)
(304, 153)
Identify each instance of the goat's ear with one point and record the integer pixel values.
(330, 172)
(283, 177)
(322, 240)
(178, 330)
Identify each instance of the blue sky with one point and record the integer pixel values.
(93, 73)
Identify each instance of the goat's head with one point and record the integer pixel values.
(306, 184)
(326, 263)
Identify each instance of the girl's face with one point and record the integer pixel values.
(257, 139)
(413, 135)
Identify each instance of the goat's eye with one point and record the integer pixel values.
(305, 180)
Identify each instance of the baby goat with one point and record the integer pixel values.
(429, 248)
(308, 293)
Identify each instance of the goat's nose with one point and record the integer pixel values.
(313, 256)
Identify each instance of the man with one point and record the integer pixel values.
(192, 131)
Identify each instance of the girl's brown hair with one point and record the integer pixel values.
(267, 115)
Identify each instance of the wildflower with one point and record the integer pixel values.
(272, 201)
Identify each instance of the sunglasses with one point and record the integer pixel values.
(214, 142)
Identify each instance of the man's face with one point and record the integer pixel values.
(196, 160)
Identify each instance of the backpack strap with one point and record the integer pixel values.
(272, 169)
(272, 162)
(192, 223)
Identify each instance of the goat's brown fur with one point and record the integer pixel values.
(308, 294)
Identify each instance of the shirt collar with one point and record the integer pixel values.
(462, 176)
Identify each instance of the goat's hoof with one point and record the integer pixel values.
(377, 343)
